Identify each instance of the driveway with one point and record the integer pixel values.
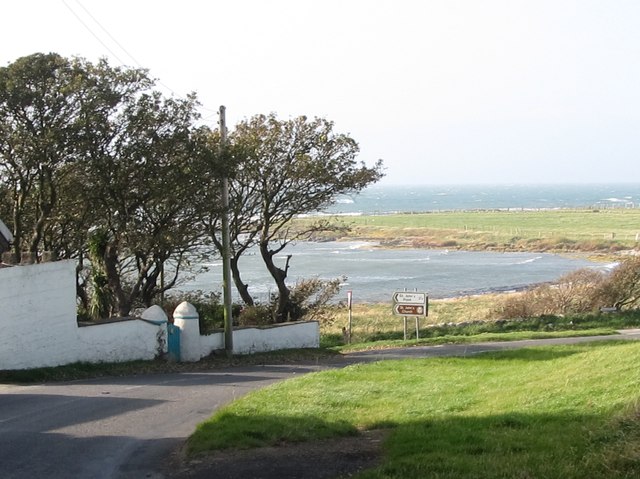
(128, 427)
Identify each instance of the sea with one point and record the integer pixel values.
(373, 274)
(379, 199)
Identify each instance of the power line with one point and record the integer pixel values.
(114, 40)
(109, 34)
(92, 32)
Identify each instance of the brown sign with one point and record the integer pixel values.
(410, 309)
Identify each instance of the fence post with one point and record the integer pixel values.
(186, 318)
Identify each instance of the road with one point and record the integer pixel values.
(128, 427)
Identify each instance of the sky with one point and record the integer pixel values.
(443, 91)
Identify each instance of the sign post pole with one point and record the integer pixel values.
(408, 304)
(349, 301)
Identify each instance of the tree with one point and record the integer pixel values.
(144, 176)
(40, 104)
(92, 148)
(285, 169)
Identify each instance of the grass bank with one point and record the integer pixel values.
(553, 412)
(456, 320)
(584, 230)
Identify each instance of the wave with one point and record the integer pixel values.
(528, 261)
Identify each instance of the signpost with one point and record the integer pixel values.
(411, 304)
(349, 304)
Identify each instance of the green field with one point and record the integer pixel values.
(541, 230)
(549, 412)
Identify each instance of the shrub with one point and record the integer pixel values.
(622, 288)
(311, 299)
(257, 315)
(576, 292)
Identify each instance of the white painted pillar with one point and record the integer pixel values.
(186, 318)
(156, 315)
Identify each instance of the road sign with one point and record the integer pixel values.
(410, 309)
(409, 298)
(410, 304)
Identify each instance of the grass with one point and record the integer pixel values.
(469, 339)
(465, 319)
(587, 230)
(552, 412)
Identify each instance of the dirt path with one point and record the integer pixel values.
(325, 459)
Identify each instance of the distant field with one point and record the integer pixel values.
(540, 230)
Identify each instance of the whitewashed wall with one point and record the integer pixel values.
(38, 326)
(37, 315)
(272, 338)
(250, 340)
(38, 323)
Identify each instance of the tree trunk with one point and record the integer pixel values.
(18, 204)
(243, 289)
(46, 203)
(279, 275)
(123, 304)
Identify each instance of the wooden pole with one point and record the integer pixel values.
(226, 249)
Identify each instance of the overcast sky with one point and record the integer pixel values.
(445, 92)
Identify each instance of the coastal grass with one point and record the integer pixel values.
(586, 230)
(553, 412)
(458, 320)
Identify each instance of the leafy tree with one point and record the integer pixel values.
(285, 169)
(40, 103)
(92, 148)
(144, 175)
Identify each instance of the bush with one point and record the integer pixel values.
(257, 315)
(577, 292)
(311, 299)
(622, 289)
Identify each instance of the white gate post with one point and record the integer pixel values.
(186, 318)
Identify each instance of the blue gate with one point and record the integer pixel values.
(173, 342)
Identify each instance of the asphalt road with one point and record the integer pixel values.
(128, 427)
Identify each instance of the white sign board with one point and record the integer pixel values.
(402, 297)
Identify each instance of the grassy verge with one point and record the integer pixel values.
(461, 320)
(553, 412)
(469, 339)
(77, 371)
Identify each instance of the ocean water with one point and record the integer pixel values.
(374, 274)
(379, 199)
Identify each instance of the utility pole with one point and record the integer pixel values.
(226, 249)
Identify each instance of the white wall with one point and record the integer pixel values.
(281, 336)
(38, 323)
(37, 315)
(248, 340)
(120, 341)
(38, 326)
